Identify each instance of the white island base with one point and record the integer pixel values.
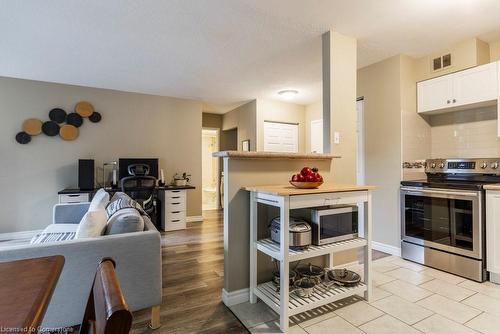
(287, 198)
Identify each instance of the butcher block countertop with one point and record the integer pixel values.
(273, 155)
(494, 186)
(289, 190)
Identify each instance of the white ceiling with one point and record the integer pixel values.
(221, 51)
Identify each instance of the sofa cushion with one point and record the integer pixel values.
(92, 224)
(125, 221)
(99, 201)
(55, 232)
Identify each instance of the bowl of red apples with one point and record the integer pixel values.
(308, 178)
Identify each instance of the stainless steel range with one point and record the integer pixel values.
(443, 217)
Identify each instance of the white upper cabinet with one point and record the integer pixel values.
(479, 84)
(469, 88)
(434, 94)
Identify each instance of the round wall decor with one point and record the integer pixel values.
(57, 115)
(84, 109)
(32, 126)
(23, 138)
(74, 119)
(50, 128)
(68, 132)
(95, 117)
(61, 123)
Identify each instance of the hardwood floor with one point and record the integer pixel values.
(193, 274)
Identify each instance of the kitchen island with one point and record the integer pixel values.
(288, 198)
(262, 168)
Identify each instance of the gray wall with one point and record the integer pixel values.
(133, 125)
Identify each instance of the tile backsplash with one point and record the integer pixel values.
(465, 134)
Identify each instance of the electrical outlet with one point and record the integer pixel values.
(336, 137)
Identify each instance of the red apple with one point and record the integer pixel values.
(306, 171)
(311, 178)
(301, 178)
(296, 177)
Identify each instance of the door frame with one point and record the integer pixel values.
(218, 171)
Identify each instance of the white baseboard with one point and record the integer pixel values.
(235, 297)
(396, 251)
(191, 219)
(18, 235)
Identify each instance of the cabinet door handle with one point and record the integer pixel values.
(448, 101)
(454, 100)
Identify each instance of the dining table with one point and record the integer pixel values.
(26, 287)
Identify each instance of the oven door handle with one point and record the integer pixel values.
(418, 192)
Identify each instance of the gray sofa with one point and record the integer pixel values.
(138, 266)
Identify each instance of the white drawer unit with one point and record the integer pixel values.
(173, 209)
(74, 198)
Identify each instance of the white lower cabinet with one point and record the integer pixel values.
(493, 234)
(174, 210)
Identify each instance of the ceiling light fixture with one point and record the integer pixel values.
(288, 93)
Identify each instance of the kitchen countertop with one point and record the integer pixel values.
(273, 155)
(494, 186)
(289, 190)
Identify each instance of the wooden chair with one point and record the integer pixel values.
(107, 311)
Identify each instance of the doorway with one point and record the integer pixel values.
(360, 144)
(210, 169)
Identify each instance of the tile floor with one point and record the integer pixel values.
(407, 298)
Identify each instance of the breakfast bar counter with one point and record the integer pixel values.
(288, 198)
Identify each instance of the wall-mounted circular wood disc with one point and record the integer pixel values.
(23, 138)
(50, 128)
(95, 117)
(74, 119)
(68, 132)
(32, 126)
(57, 115)
(84, 109)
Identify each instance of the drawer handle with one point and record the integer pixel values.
(176, 220)
(177, 203)
(176, 197)
(74, 195)
(175, 211)
(176, 191)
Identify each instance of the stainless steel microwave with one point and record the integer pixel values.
(332, 224)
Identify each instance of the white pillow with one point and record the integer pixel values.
(99, 201)
(92, 224)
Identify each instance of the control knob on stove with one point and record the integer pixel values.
(441, 165)
(433, 165)
(484, 165)
(494, 165)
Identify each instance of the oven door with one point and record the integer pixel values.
(449, 220)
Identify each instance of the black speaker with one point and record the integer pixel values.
(86, 174)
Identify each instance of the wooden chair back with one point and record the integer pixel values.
(107, 311)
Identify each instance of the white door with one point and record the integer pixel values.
(317, 136)
(281, 137)
(210, 169)
(435, 94)
(478, 84)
